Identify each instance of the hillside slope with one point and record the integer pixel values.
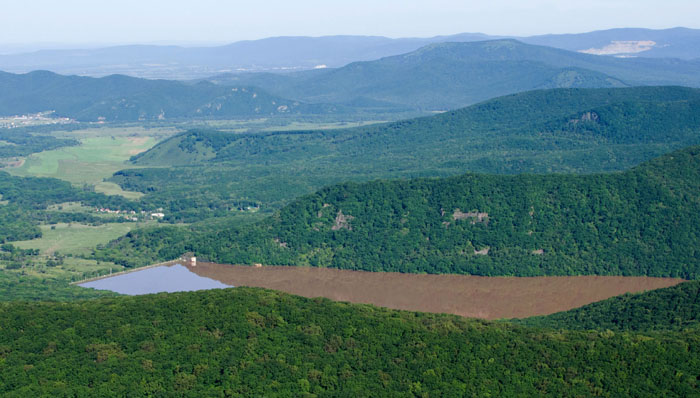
(252, 342)
(564, 130)
(645, 221)
(122, 98)
(673, 308)
(451, 75)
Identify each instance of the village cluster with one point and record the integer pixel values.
(132, 215)
(35, 119)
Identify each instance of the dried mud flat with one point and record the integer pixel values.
(469, 296)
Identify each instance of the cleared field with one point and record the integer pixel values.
(101, 153)
(96, 158)
(75, 238)
(73, 268)
(110, 188)
(118, 131)
(469, 296)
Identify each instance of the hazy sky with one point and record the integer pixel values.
(218, 21)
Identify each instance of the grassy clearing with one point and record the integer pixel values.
(110, 188)
(121, 131)
(72, 207)
(95, 159)
(102, 153)
(76, 239)
(72, 240)
(73, 268)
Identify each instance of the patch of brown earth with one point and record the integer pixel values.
(138, 140)
(469, 296)
(13, 163)
(482, 252)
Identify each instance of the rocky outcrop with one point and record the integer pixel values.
(342, 221)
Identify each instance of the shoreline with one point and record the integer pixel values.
(127, 271)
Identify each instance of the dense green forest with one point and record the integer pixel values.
(252, 342)
(578, 131)
(16, 287)
(645, 221)
(673, 308)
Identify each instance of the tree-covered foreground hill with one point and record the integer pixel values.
(644, 221)
(249, 342)
(672, 308)
(18, 287)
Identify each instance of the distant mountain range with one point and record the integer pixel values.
(123, 98)
(298, 53)
(451, 75)
(436, 77)
(682, 43)
(272, 54)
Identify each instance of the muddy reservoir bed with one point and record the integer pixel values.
(470, 296)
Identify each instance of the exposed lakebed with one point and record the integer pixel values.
(471, 296)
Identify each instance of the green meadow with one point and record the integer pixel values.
(102, 152)
(71, 241)
(95, 159)
(75, 238)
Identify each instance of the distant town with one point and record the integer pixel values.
(34, 119)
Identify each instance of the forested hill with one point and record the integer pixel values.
(450, 75)
(561, 130)
(513, 126)
(253, 342)
(673, 308)
(645, 221)
(122, 98)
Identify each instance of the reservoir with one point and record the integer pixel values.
(465, 295)
(172, 278)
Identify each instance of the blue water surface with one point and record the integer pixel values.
(174, 278)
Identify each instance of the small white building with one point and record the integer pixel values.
(189, 259)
